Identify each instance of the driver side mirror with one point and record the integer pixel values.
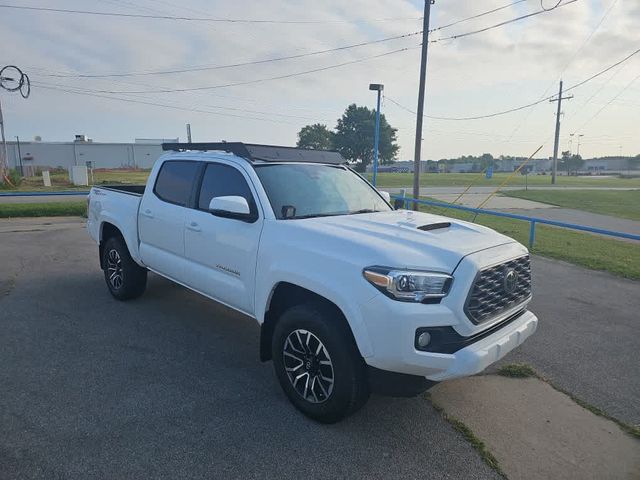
(230, 207)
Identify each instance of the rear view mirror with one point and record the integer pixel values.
(230, 207)
(398, 203)
(386, 196)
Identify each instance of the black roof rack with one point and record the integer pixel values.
(266, 153)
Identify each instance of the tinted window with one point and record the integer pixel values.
(175, 181)
(221, 181)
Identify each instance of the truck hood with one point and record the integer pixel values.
(403, 238)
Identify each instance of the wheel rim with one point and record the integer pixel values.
(114, 269)
(308, 366)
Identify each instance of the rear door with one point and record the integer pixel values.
(161, 217)
(221, 252)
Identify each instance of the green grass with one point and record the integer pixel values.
(523, 370)
(53, 209)
(464, 179)
(60, 181)
(486, 456)
(517, 370)
(617, 203)
(591, 251)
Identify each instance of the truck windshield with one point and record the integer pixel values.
(316, 190)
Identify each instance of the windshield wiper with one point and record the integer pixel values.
(313, 215)
(364, 210)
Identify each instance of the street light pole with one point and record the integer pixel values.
(376, 142)
(578, 151)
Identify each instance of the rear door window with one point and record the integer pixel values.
(175, 181)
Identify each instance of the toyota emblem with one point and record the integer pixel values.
(510, 281)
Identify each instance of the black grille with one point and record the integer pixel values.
(493, 293)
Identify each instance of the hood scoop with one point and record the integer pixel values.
(434, 226)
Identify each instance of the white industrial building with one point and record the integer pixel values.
(37, 154)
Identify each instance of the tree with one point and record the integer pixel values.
(316, 137)
(571, 163)
(486, 161)
(354, 137)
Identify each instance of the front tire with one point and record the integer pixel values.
(125, 278)
(318, 364)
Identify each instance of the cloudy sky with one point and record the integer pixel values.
(493, 71)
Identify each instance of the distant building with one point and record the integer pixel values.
(37, 154)
(610, 164)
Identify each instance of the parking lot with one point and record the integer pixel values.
(170, 385)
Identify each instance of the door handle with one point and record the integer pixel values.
(194, 227)
(147, 213)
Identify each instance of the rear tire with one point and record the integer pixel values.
(125, 278)
(318, 363)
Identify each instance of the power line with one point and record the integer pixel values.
(521, 107)
(155, 104)
(279, 77)
(260, 80)
(608, 103)
(237, 109)
(569, 62)
(233, 65)
(501, 24)
(442, 27)
(201, 19)
(198, 68)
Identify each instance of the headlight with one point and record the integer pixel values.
(409, 285)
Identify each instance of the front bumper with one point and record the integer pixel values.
(393, 337)
(478, 356)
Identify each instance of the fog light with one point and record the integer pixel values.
(423, 339)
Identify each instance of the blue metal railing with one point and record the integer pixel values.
(532, 220)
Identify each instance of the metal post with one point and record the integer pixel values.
(19, 156)
(376, 142)
(420, 110)
(4, 161)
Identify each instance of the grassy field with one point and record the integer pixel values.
(53, 209)
(624, 204)
(464, 179)
(60, 181)
(591, 251)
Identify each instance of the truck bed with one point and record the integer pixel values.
(137, 190)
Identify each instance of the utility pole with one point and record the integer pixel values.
(420, 110)
(188, 133)
(12, 79)
(557, 137)
(19, 156)
(4, 161)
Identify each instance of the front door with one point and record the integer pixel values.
(221, 252)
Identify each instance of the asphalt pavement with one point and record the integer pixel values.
(170, 386)
(587, 341)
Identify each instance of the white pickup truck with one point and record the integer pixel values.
(351, 295)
